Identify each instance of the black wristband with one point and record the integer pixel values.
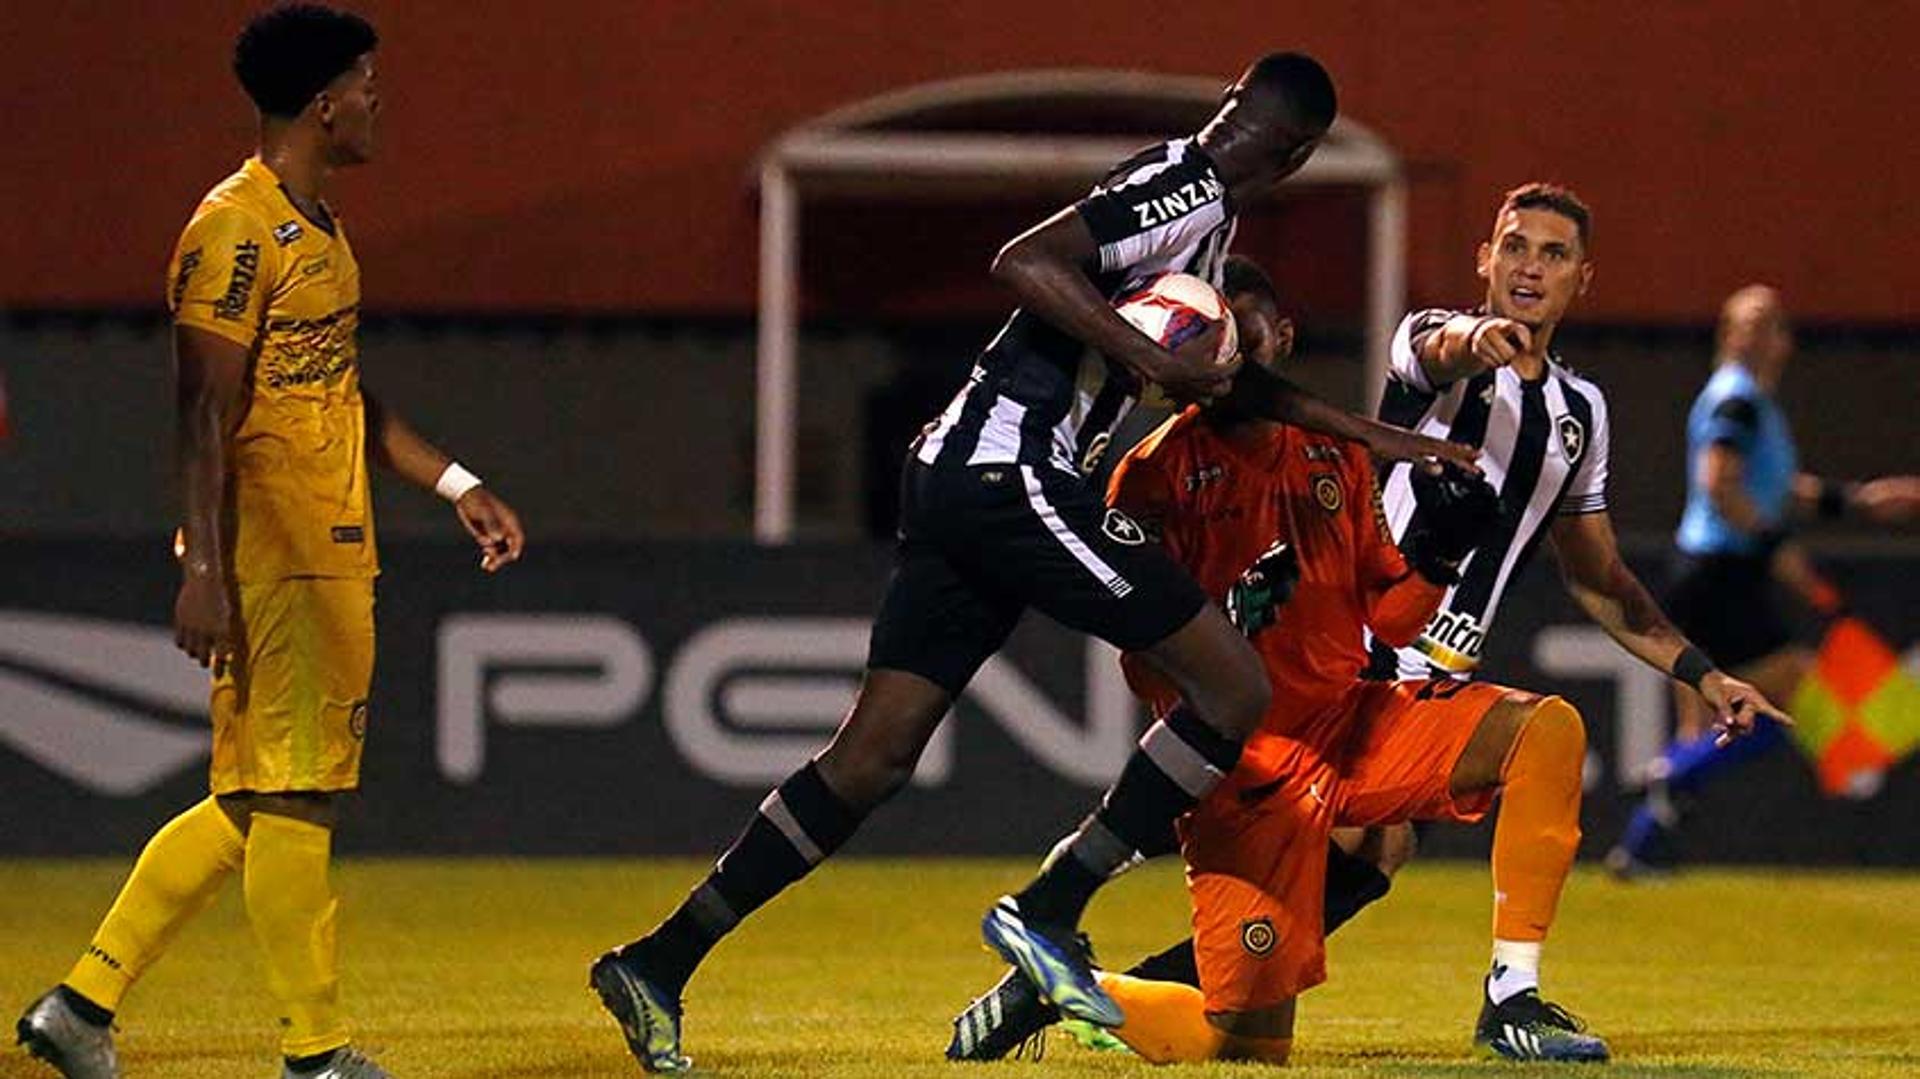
(1833, 500)
(1692, 667)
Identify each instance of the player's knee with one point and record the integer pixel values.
(1273, 1051)
(1556, 725)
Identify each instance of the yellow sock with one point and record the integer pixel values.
(292, 909)
(1539, 825)
(178, 874)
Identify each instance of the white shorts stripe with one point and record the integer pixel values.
(1075, 546)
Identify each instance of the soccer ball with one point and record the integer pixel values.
(1177, 309)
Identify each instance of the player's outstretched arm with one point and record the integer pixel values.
(1600, 582)
(211, 374)
(1259, 392)
(1467, 344)
(487, 518)
(1887, 500)
(1045, 268)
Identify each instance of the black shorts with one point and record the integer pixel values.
(1725, 604)
(979, 545)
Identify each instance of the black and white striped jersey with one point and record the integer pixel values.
(1544, 449)
(1038, 395)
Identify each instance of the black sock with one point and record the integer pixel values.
(798, 826)
(86, 1009)
(1178, 761)
(1176, 964)
(1352, 883)
(309, 1065)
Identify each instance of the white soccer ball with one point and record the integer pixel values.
(1173, 309)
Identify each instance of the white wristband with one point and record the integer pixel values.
(455, 482)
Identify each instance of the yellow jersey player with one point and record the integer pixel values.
(277, 553)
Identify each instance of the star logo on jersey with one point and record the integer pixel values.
(1123, 529)
(1573, 437)
(1257, 936)
(1326, 491)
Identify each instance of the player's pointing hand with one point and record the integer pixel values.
(1495, 342)
(1737, 706)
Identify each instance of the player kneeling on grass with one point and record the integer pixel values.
(1334, 750)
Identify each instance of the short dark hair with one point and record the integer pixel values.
(1296, 85)
(1558, 198)
(1243, 275)
(289, 53)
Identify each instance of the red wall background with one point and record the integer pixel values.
(594, 156)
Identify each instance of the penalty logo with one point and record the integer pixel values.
(1257, 936)
(1123, 529)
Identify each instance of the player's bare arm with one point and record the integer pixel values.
(1045, 268)
(1598, 579)
(1468, 344)
(1259, 392)
(211, 373)
(1885, 500)
(486, 517)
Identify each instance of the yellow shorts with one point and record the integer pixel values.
(291, 713)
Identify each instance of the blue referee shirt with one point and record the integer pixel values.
(1734, 411)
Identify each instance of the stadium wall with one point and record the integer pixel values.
(642, 698)
(596, 156)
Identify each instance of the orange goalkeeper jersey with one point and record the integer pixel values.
(1217, 500)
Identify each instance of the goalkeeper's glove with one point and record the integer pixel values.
(1454, 513)
(1254, 601)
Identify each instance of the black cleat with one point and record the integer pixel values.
(1525, 1027)
(1009, 1018)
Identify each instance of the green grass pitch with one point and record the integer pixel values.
(477, 968)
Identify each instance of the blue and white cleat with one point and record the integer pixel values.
(1054, 959)
(1524, 1027)
(649, 1018)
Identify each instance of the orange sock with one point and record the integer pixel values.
(1539, 825)
(1167, 1024)
(1166, 1021)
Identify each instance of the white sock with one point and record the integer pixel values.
(1516, 968)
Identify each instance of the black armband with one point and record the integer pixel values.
(1834, 497)
(1692, 667)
